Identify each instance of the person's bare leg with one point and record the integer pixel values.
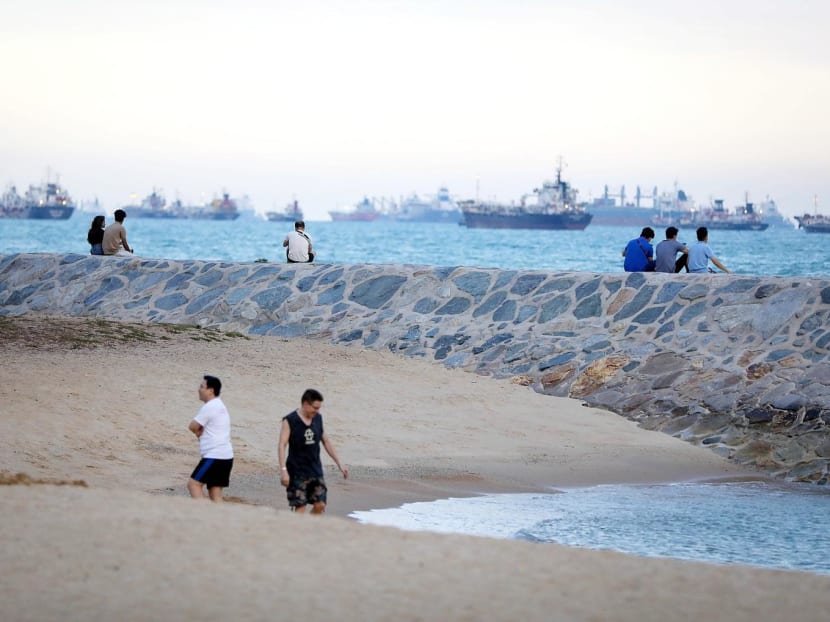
(318, 508)
(195, 489)
(215, 493)
(299, 509)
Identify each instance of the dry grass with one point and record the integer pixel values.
(75, 333)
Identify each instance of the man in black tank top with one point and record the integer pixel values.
(301, 472)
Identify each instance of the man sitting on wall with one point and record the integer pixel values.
(639, 253)
(298, 245)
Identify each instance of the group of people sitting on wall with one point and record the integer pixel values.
(641, 256)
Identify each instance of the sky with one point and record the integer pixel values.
(331, 101)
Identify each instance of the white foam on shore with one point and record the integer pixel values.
(763, 524)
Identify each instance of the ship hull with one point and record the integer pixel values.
(734, 226)
(816, 228)
(431, 215)
(567, 222)
(337, 217)
(50, 212)
(134, 213)
(220, 216)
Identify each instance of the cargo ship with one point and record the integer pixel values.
(218, 209)
(364, 211)
(815, 222)
(439, 208)
(291, 213)
(47, 201)
(153, 205)
(553, 206)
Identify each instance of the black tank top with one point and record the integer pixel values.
(304, 446)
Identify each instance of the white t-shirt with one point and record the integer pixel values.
(298, 246)
(215, 441)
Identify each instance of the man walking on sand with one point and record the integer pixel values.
(212, 426)
(302, 472)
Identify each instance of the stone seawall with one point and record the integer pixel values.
(736, 363)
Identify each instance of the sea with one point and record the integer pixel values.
(778, 251)
(775, 525)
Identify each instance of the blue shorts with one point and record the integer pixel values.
(302, 491)
(213, 472)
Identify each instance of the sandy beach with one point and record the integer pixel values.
(108, 405)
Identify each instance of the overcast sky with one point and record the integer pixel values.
(328, 101)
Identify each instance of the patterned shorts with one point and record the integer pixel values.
(301, 492)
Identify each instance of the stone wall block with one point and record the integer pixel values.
(752, 353)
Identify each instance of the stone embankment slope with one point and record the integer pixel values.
(736, 363)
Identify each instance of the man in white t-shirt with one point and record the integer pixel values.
(298, 245)
(212, 426)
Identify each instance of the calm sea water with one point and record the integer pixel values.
(762, 524)
(776, 251)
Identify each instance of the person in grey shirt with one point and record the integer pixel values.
(666, 253)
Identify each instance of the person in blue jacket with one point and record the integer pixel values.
(639, 253)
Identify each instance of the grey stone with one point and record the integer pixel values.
(635, 280)
(489, 305)
(376, 292)
(171, 301)
(425, 306)
(556, 285)
(693, 292)
(306, 283)
(210, 278)
(663, 363)
(649, 315)
(691, 312)
(586, 289)
(454, 306)
(589, 307)
(612, 286)
(526, 312)
(554, 307)
(738, 285)
(767, 290)
(330, 276)
(108, 286)
(19, 296)
(506, 312)
(494, 340)
(200, 303)
(272, 298)
(504, 278)
(557, 360)
(668, 292)
(474, 283)
(526, 283)
(814, 321)
(333, 294)
(238, 294)
(637, 303)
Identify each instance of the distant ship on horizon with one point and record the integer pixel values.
(815, 222)
(666, 207)
(290, 213)
(364, 211)
(439, 208)
(154, 205)
(553, 206)
(47, 201)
